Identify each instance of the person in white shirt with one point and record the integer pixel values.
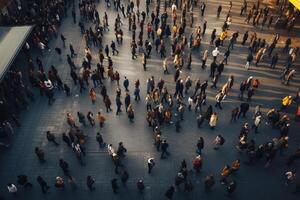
(215, 53)
(12, 188)
(290, 176)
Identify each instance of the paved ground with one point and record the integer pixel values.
(254, 182)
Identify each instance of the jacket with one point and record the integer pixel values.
(213, 120)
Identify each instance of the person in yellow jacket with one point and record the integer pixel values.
(286, 101)
(223, 36)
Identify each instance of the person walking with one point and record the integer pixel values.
(151, 164)
(23, 181)
(114, 185)
(219, 141)
(231, 187)
(234, 114)
(257, 121)
(124, 177)
(51, 138)
(274, 61)
(164, 148)
(12, 188)
(90, 183)
(204, 59)
(101, 119)
(126, 84)
(90, 118)
(290, 177)
(119, 104)
(219, 98)
(249, 60)
(40, 154)
(64, 166)
(219, 10)
(81, 118)
(93, 95)
(170, 192)
(140, 185)
(43, 184)
(213, 120)
(100, 140)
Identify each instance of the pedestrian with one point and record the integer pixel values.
(71, 120)
(244, 107)
(215, 54)
(202, 8)
(12, 188)
(107, 103)
(124, 177)
(219, 10)
(209, 182)
(257, 121)
(245, 37)
(219, 141)
(213, 120)
(204, 59)
(119, 104)
(151, 164)
(234, 114)
(64, 166)
(224, 174)
(219, 98)
(51, 138)
(114, 48)
(90, 183)
(114, 185)
(93, 95)
(99, 139)
(226, 55)
(144, 61)
(121, 150)
(81, 118)
(43, 184)
(126, 84)
(165, 66)
(72, 183)
(164, 148)
(231, 187)
(130, 113)
(23, 181)
(290, 177)
(101, 119)
(90, 118)
(197, 163)
(249, 60)
(40, 154)
(59, 182)
(63, 39)
(140, 185)
(170, 192)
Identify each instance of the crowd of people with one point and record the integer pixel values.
(170, 27)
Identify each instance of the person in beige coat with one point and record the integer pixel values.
(213, 120)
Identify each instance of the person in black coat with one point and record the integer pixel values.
(244, 107)
(169, 193)
(213, 67)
